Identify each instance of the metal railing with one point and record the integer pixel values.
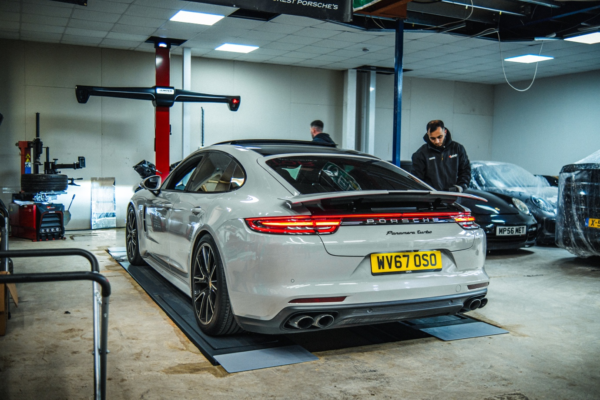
(100, 300)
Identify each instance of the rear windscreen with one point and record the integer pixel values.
(322, 174)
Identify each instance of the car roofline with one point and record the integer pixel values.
(247, 142)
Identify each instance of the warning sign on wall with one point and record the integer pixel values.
(333, 10)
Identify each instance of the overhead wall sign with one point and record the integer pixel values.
(333, 10)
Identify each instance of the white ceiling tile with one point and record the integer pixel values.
(126, 36)
(140, 21)
(330, 58)
(9, 35)
(279, 28)
(42, 28)
(95, 16)
(271, 52)
(44, 19)
(238, 23)
(389, 40)
(172, 34)
(119, 44)
(9, 16)
(41, 37)
(254, 57)
(107, 6)
(81, 40)
(300, 54)
(10, 26)
(262, 35)
(351, 37)
(85, 32)
(337, 27)
(315, 49)
(10, 6)
(305, 40)
(150, 12)
(316, 33)
(375, 55)
(135, 30)
(346, 53)
(332, 44)
(295, 20)
(97, 26)
(48, 10)
(370, 47)
(283, 46)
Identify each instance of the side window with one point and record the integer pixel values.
(182, 174)
(217, 173)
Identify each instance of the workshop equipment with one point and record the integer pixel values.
(33, 215)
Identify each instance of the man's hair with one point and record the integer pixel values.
(317, 123)
(433, 125)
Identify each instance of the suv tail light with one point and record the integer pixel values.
(328, 224)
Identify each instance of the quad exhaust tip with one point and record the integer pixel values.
(474, 304)
(306, 321)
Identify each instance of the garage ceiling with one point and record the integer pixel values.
(300, 41)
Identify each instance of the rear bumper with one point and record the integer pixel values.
(362, 314)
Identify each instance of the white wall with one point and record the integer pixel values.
(114, 134)
(277, 102)
(465, 108)
(553, 124)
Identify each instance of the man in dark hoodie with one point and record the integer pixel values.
(441, 162)
(316, 131)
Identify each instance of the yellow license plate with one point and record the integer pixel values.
(593, 222)
(388, 263)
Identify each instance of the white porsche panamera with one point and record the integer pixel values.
(288, 236)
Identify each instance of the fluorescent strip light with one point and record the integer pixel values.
(589, 38)
(236, 48)
(196, 18)
(528, 58)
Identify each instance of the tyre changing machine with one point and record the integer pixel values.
(32, 214)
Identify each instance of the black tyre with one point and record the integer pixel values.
(131, 238)
(210, 297)
(44, 183)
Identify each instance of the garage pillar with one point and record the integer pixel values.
(398, 75)
(349, 123)
(368, 137)
(186, 113)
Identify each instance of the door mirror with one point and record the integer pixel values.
(151, 183)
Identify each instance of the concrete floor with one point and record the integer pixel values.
(547, 299)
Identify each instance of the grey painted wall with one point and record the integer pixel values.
(114, 134)
(553, 124)
(277, 102)
(466, 109)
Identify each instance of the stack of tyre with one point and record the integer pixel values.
(36, 183)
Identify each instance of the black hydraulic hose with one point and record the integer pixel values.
(54, 253)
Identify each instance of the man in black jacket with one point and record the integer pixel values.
(441, 162)
(316, 131)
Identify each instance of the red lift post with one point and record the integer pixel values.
(162, 123)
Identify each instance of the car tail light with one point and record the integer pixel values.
(466, 220)
(299, 225)
(328, 224)
(320, 300)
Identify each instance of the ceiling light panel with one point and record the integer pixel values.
(196, 18)
(528, 58)
(236, 48)
(590, 38)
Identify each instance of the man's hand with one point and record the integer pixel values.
(456, 188)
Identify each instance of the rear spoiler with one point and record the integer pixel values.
(313, 198)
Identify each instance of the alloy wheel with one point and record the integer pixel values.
(131, 234)
(205, 283)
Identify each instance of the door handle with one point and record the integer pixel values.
(197, 210)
